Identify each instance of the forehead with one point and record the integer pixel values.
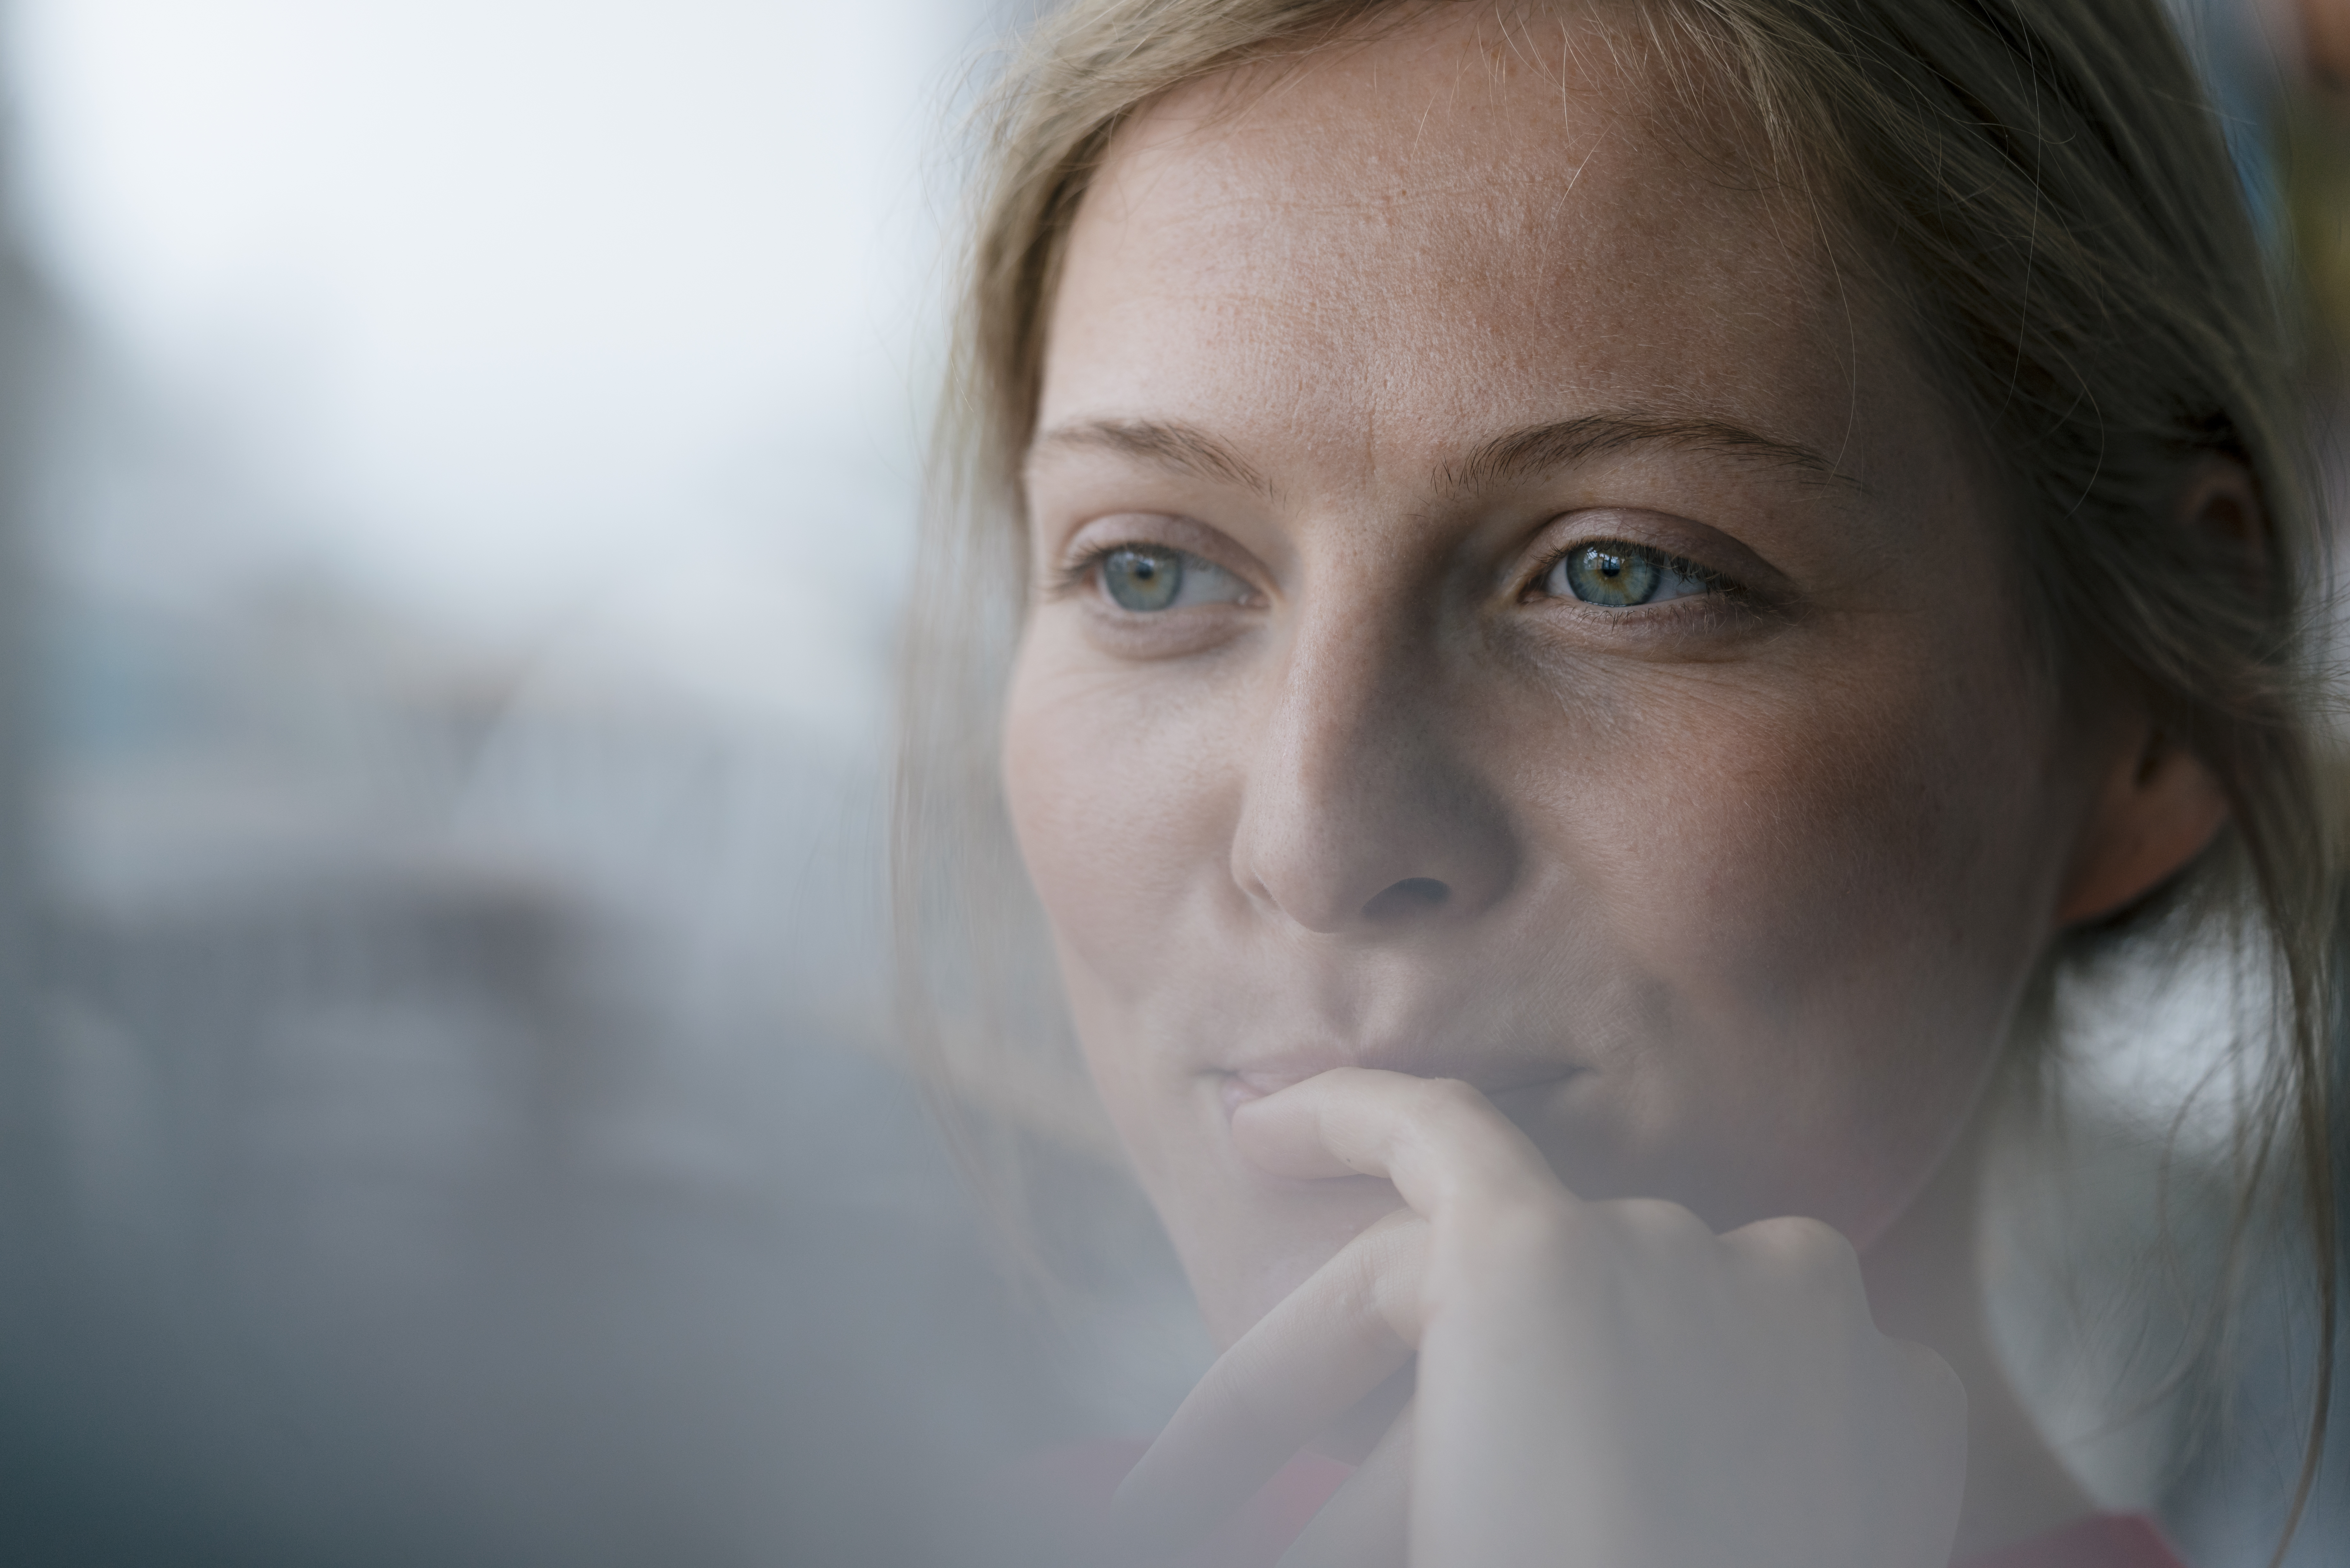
(1464, 226)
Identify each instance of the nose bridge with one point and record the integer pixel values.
(1361, 812)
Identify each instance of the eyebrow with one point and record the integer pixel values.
(1514, 458)
(1167, 443)
(1545, 448)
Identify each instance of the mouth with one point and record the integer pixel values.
(1238, 1087)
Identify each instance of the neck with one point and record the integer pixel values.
(1924, 1285)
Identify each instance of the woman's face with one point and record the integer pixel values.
(1508, 609)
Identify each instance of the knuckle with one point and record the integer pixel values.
(1811, 1248)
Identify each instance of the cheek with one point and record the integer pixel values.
(1825, 896)
(1115, 796)
(1820, 832)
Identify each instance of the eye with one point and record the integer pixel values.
(1146, 578)
(1616, 575)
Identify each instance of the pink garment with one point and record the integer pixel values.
(1075, 1484)
(2100, 1540)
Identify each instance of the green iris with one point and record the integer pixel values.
(1611, 575)
(1143, 579)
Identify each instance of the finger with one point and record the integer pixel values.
(1366, 1523)
(1805, 1260)
(1441, 1143)
(1327, 1346)
(1351, 1438)
(1919, 1498)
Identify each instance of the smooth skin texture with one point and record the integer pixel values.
(1575, 1010)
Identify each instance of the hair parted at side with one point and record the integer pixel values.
(2037, 186)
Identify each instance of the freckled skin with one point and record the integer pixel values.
(1737, 901)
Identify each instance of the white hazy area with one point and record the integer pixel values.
(598, 328)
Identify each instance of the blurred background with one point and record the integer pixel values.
(457, 462)
(461, 456)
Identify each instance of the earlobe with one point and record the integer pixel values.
(2159, 806)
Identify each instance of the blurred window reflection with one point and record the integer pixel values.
(478, 452)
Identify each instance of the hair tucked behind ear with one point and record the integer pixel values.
(2081, 266)
(2037, 184)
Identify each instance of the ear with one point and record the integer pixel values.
(2159, 804)
(2155, 811)
(2326, 37)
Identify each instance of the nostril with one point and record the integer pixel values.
(1412, 896)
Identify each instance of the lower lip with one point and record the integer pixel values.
(1239, 1088)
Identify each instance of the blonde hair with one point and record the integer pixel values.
(2037, 187)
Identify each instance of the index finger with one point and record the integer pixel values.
(1442, 1142)
(1318, 1354)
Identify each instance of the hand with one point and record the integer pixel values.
(1600, 1385)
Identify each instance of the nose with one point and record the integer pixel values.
(1363, 812)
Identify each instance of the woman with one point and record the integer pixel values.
(1604, 593)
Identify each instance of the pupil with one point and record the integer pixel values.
(1599, 575)
(1143, 579)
